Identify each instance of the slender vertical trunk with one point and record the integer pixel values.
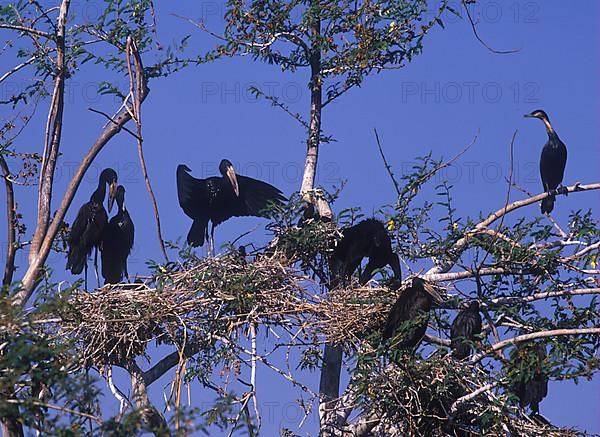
(316, 104)
(139, 395)
(11, 248)
(329, 389)
(53, 136)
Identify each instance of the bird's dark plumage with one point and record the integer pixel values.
(88, 227)
(552, 161)
(217, 199)
(411, 314)
(365, 239)
(465, 327)
(117, 242)
(529, 381)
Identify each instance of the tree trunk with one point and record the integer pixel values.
(329, 389)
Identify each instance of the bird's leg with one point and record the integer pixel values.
(212, 239)
(562, 190)
(96, 266)
(85, 275)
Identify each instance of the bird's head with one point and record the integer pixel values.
(430, 288)
(109, 176)
(183, 168)
(120, 197)
(538, 113)
(473, 305)
(227, 170)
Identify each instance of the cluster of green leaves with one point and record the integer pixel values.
(34, 363)
(415, 395)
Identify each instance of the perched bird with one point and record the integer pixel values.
(365, 239)
(217, 199)
(465, 327)
(88, 227)
(411, 314)
(529, 380)
(117, 242)
(552, 161)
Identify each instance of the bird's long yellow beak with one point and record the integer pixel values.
(233, 179)
(112, 192)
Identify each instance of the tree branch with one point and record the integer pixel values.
(52, 137)
(138, 87)
(433, 273)
(11, 248)
(527, 337)
(27, 30)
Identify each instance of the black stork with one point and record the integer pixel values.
(410, 314)
(365, 239)
(552, 161)
(465, 327)
(117, 242)
(217, 199)
(88, 227)
(529, 380)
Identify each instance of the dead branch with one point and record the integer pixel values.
(52, 137)
(11, 222)
(385, 163)
(528, 337)
(138, 87)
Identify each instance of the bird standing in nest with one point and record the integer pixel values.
(365, 239)
(217, 199)
(117, 242)
(88, 227)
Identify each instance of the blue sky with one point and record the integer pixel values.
(438, 103)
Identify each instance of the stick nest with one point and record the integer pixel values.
(115, 323)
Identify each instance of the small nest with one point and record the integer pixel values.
(351, 314)
(216, 296)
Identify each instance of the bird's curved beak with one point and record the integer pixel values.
(112, 193)
(233, 180)
(431, 289)
(528, 116)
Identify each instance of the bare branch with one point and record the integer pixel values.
(11, 248)
(17, 68)
(528, 337)
(540, 296)
(27, 30)
(387, 165)
(52, 137)
(474, 27)
(138, 88)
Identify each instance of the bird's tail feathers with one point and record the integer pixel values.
(112, 267)
(76, 259)
(548, 204)
(196, 235)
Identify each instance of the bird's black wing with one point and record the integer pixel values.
(117, 243)
(255, 196)
(465, 326)
(86, 233)
(192, 194)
